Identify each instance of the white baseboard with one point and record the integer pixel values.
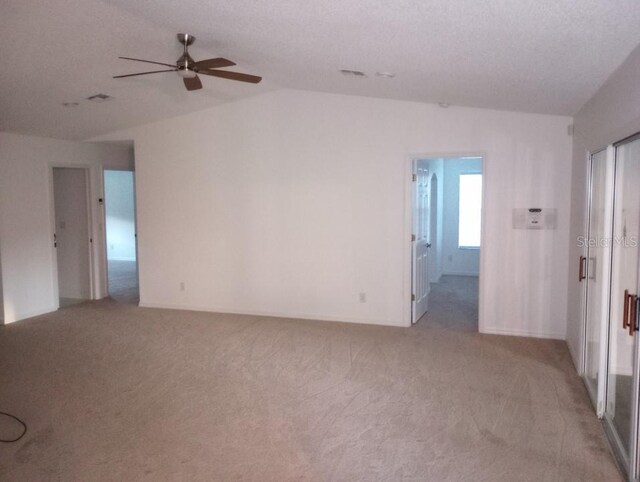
(28, 314)
(303, 316)
(121, 259)
(525, 333)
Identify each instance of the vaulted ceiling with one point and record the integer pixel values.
(545, 56)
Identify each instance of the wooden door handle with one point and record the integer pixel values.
(581, 271)
(625, 311)
(633, 314)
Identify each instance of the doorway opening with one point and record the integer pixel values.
(72, 235)
(121, 238)
(446, 241)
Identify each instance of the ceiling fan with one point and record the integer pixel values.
(189, 69)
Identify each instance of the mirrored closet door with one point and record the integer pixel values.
(621, 412)
(595, 273)
(610, 271)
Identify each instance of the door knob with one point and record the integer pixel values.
(581, 272)
(625, 310)
(633, 312)
(428, 245)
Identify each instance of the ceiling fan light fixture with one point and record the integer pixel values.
(186, 73)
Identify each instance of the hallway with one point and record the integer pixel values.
(453, 304)
(123, 281)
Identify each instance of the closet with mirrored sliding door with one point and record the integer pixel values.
(610, 270)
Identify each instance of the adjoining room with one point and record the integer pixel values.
(449, 225)
(120, 225)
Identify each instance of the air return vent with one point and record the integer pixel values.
(99, 98)
(352, 73)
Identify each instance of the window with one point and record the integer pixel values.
(469, 210)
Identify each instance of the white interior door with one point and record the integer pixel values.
(420, 239)
(72, 232)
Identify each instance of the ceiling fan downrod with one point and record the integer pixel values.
(185, 61)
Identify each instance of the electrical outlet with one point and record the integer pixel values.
(181, 285)
(362, 297)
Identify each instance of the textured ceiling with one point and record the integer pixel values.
(546, 56)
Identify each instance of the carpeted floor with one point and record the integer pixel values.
(123, 281)
(111, 391)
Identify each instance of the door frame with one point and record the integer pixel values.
(433, 204)
(408, 228)
(87, 168)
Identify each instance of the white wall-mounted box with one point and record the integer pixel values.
(534, 218)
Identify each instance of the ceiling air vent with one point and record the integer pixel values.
(352, 73)
(99, 98)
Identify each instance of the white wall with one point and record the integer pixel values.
(72, 233)
(26, 216)
(120, 215)
(294, 202)
(612, 114)
(455, 260)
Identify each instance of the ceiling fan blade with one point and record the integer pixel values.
(192, 83)
(149, 62)
(144, 73)
(253, 79)
(213, 63)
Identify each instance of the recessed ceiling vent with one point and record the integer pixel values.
(99, 98)
(352, 73)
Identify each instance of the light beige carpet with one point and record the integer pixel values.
(111, 391)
